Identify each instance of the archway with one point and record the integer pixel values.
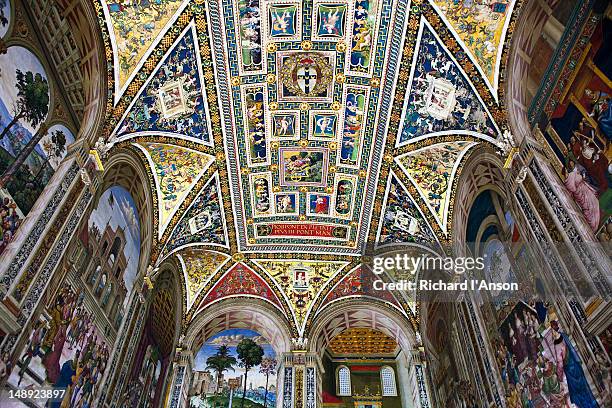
(215, 337)
(366, 350)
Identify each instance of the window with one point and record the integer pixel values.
(387, 377)
(344, 381)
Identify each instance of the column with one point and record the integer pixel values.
(182, 369)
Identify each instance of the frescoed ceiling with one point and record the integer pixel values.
(279, 127)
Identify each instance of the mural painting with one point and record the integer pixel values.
(249, 23)
(403, 221)
(235, 365)
(172, 101)
(303, 166)
(69, 345)
(580, 132)
(539, 363)
(30, 150)
(136, 26)
(441, 97)
(480, 25)
(5, 16)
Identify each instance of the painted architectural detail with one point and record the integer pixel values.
(432, 170)
(172, 99)
(481, 29)
(203, 222)
(176, 171)
(442, 97)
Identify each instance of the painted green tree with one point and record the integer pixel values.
(32, 106)
(250, 355)
(268, 368)
(220, 362)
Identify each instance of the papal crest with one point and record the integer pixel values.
(306, 75)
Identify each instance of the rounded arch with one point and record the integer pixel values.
(243, 313)
(352, 313)
(125, 169)
(482, 171)
(82, 21)
(169, 276)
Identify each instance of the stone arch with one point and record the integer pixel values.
(81, 18)
(483, 170)
(353, 313)
(125, 169)
(245, 313)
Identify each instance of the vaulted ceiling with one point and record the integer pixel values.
(301, 130)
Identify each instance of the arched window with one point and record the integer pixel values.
(387, 378)
(101, 285)
(94, 275)
(107, 294)
(344, 381)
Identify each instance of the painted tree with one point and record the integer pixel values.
(32, 105)
(268, 368)
(250, 355)
(57, 146)
(220, 362)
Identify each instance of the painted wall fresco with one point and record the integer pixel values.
(402, 220)
(29, 151)
(218, 365)
(65, 350)
(581, 131)
(173, 100)
(441, 97)
(70, 342)
(480, 25)
(177, 170)
(540, 365)
(136, 26)
(203, 222)
(5, 16)
(432, 170)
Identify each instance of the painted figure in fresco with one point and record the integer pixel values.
(9, 222)
(353, 122)
(325, 125)
(78, 371)
(584, 194)
(363, 31)
(282, 21)
(331, 20)
(569, 366)
(601, 110)
(262, 195)
(283, 125)
(256, 126)
(344, 196)
(285, 204)
(250, 32)
(321, 204)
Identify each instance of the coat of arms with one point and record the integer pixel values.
(306, 75)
